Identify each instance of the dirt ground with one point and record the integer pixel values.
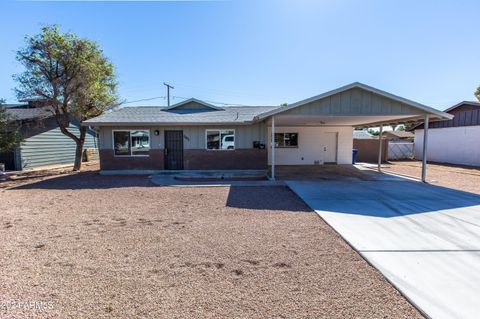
(452, 176)
(91, 246)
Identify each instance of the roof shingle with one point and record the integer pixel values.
(162, 115)
(24, 113)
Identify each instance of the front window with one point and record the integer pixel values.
(220, 139)
(286, 140)
(131, 143)
(140, 142)
(121, 142)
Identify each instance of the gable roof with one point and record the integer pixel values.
(468, 117)
(363, 87)
(472, 103)
(196, 112)
(152, 115)
(191, 101)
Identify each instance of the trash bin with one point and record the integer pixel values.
(354, 156)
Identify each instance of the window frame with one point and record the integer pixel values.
(285, 146)
(130, 141)
(219, 130)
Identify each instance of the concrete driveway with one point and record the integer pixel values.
(425, 239)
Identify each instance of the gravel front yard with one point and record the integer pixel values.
(90, 246)
(457, 177)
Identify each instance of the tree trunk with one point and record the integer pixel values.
(79, 149)
(78, 156)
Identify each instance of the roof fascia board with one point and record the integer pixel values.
(164, 123)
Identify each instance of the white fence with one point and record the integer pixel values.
(400, 150)
(454, 145)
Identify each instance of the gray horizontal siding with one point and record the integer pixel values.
(51, 147)
(355, 102)
(194, 136)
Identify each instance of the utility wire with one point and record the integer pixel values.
(235, 93)
(147, 99)
(213, 102)
(247, 94)
(183, 98)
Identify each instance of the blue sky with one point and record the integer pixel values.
(266, 52)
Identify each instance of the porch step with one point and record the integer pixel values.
(233, 175)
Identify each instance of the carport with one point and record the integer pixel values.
(337, 112)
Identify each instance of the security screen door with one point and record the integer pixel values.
(174, 150)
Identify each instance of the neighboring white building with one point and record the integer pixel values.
(455, 141)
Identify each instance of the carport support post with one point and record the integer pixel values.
(380, 148)
(273, 148)
(424, 154)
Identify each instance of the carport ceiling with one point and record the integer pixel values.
(357, 121)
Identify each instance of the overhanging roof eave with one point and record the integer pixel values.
(163, 123)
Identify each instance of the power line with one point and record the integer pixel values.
(146, 99)
(229, 92)
(213, 102)
(183, 98)
(246, 94)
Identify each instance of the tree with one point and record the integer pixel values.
(10, 136)
(477, 93)
(71, 75)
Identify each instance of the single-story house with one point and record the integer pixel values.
(456, 140)
(44, 144)
(195, 135)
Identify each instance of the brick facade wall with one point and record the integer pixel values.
(110, 162)
(198, 159)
